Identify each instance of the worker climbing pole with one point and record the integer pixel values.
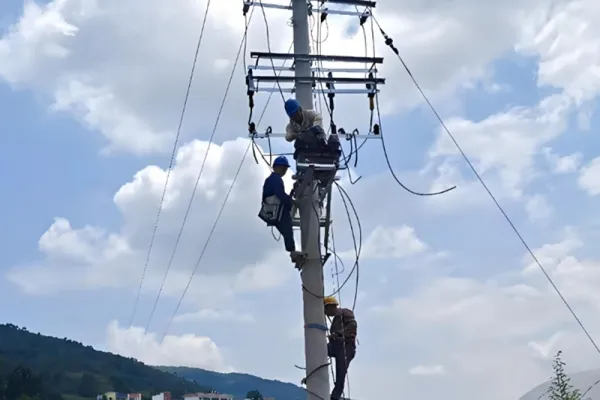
(317, 162)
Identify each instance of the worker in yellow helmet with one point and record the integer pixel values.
(342, 341)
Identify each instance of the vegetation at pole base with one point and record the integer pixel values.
(560, 384)
(63, 369)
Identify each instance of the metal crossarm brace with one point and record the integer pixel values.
(319, 91)
(347, 136)
(250, 3)
(313, 79)
(359, 3)
(316, 57)
(320, 69)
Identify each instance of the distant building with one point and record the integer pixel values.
(162, 396)
(135, 396)
(115, 396)
(207, 396)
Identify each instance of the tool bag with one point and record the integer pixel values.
(271, 211)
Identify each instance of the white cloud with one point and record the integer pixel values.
(214, 315)
(428, 370)
(92, 258)
(566, 38)
(189, 349)
(509, 319)
(547, 348)
(91, 59)
(538, 208)
(506, 143)
(562, 164)
(390, 242)
(589, 178)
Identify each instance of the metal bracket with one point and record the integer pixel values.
(305, 180)
(316, 57)
(314, 69)
(315, 79)
(323, 10)
(359, 3)
(320, 91)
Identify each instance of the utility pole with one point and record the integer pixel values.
(315, 341)
(315, 174)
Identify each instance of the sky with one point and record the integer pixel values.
(450, 302)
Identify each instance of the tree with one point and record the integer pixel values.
(560, 385)
(254, 395)
(88, 386)
(23, 382)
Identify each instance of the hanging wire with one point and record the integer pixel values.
(193, 194)
(389, 42)
(171, 162)
(251, 144)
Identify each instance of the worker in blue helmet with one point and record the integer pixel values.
(280, 204)
(302, 121)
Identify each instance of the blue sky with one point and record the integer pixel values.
(91, 98)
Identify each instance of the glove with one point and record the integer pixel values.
(316, 130)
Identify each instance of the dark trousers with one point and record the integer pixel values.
(286, 228)
(343, 355)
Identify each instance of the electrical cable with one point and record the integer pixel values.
(336, 276)
(269, 47)
(357, 247)
(358, 147)
(389, 43)
(255, 146)
(250, 145)
(206, 243)
(347, 201)
(171, 162)
(193, 194)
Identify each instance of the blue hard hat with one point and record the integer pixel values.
(281, 161)
(291, 107)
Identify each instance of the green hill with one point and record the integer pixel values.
(239, 384)
(72, 369)
(58, 369)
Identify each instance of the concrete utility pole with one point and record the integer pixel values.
(310, 221)
(315, 342)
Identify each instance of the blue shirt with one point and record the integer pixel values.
(274, 187)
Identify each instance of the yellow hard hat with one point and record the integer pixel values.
(330, 300)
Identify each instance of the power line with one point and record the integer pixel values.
(173, 153)
(210, 234)
(269, 46)
(193, 195)
(389, 43)
(251, 144)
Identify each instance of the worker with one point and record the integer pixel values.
(306, 131)
(304, 127)
(277, 207)
(342, 342)
(301, 120)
